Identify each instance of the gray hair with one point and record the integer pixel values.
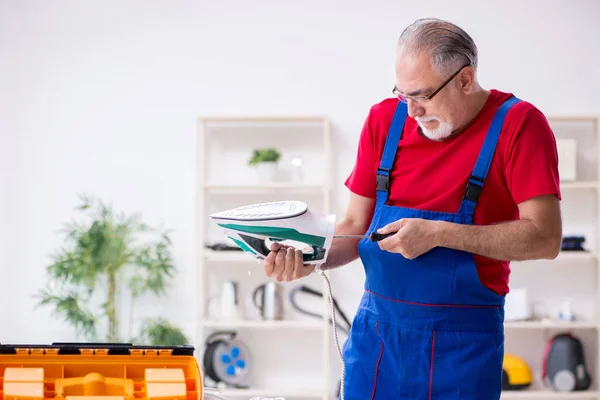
(450, 46)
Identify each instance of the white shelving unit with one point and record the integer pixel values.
(291, 357)
(294, 357)
(572, 276)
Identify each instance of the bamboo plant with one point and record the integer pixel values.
(99, 259)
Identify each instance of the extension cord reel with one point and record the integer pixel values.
(226, 359)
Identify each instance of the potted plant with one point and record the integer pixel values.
(100, 258)
(265, 160)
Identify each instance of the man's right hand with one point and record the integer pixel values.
(286, 264)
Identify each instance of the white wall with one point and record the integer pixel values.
(102, 97)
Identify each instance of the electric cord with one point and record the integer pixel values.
(213, 394)
(335, 335)
(267, 398)
(303, 288)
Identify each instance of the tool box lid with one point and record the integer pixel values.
(99, 371)
(61, 348)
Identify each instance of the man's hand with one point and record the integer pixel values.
(286, 264)
(414, 237)
(537, 234)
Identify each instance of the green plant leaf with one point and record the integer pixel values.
(269, 154)
(160, 332)
(156, 266)
(70, 308)
(103, 252)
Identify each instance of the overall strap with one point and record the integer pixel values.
(389, 153)
(479, 174)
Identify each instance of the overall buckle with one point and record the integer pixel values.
(383, 181)
(474, 188)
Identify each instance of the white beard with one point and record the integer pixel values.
(443, 130)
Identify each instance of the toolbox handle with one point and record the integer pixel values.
(112, 348)
(92, 344)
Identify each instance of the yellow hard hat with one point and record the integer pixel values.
(516, 374)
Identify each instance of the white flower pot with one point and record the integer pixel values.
(266, 172)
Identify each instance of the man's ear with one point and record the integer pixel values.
(466, 80)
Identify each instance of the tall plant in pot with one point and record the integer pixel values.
(101, 258)
(265, 160)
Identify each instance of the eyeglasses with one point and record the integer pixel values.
(404, 97)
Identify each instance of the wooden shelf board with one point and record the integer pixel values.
(250, 324)
(548, 394)
(272, 393)
(276, 119)
(550, 325)
(579, 185)
(236, 256)
(289, 186)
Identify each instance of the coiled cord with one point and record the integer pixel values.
(212, 394)
(335, 334)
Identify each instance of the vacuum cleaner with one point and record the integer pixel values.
(563, 367)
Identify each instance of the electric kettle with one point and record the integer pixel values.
(268, 298)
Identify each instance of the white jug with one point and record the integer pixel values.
(229, 301)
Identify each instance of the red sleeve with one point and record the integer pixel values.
(532, 163)
(362, 179)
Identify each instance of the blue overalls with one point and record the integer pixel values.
(426, 328)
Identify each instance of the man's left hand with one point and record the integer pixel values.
(414, 237)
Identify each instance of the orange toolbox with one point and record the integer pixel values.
(99, 371)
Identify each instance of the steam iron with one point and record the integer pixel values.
(255, 227)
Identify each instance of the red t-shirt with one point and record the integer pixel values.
(525, 165)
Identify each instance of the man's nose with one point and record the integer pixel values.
(414, 109)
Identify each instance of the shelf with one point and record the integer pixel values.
(265, 119)
(230, 132)
(305, 394)
(563, 256)
(288, 186)
(242, 257)
(579, 185)
(572, 118)
(550, 325)
(258, 324)
(236, 256)
(575, 255)
(548, 394)
(274, 393)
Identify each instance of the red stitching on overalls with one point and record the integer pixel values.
(431, 365)
(378, 361)
(431, 305)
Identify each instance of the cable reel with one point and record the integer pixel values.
(226, 359)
